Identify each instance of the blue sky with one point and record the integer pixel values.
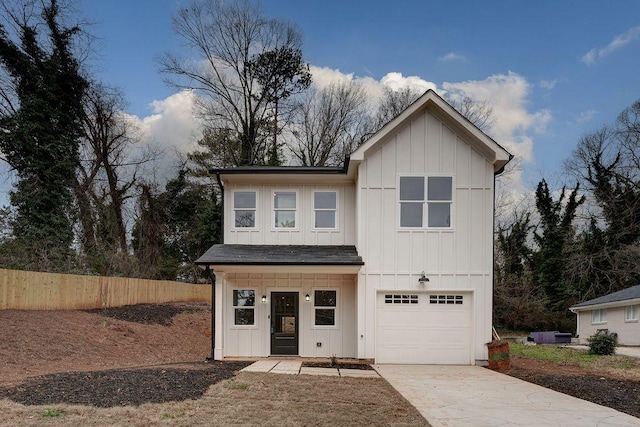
(558, 69)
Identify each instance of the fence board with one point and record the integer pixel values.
(29, 290)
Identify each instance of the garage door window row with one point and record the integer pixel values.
(400, 299)
(446, 299)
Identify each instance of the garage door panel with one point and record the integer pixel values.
(436, 332)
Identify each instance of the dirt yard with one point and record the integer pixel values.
(617, 389)
(143, 365)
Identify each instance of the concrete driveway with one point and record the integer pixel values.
(475, 396)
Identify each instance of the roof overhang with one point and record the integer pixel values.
(285, 268)
(279, 258)
(612, 304)
(432, 102)
(286, 174)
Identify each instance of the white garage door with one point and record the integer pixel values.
(424, 328)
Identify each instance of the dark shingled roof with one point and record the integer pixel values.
(280, 255)
(623, 295)
(302, 170)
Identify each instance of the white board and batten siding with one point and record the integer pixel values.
(456, 259)
(254, 340)
(304, 233)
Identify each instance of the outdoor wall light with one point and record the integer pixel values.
(307, 297)
(423, 278)
(264, 298)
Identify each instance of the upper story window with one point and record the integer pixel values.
(325, 207)
(244, 209)
(285, 209)
(425, 202)
(599, 316)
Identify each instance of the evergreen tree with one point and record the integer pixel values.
(556, 223)
(40, 136)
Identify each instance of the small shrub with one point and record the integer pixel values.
(334, 360)
(603, 344)
(52, 413)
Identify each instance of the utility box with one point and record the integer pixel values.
(550, 337)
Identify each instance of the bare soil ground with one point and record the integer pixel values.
(617, 390)
(143, 365)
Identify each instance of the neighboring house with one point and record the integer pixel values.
(388, 258)
(617, 312)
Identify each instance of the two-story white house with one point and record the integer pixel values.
(387, 258)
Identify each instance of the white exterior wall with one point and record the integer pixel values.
(628, 332)
(255, 341)
(304, 233)
(459, 259)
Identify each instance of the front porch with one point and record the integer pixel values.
(284, 300)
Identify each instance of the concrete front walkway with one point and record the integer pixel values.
(294, 367)
(475, 396)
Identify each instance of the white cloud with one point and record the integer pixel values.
(451, 57)
(174, 128)
(397, 81)
(323, 76)
(514, 127)
(586, 116)
(171, 131)
(595, 54)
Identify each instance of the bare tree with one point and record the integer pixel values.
(392, 103)
(607, 163)
(480, 113)
(328, 123)
(227, 38)
(107, 173)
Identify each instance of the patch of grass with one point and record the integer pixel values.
(234, 385)
(170, 415)
(52, 413)
(572, 356)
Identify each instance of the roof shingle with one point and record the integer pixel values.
(280, 255)
(625, 294)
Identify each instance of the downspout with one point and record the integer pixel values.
(213, 312)
(213, 276)
(493, 246)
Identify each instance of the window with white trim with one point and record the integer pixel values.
(284, 209)
(244, 303)
(425, 202)
(324, 304)
(631, 313)
(599, 316)
(325, 207)
(244, 209)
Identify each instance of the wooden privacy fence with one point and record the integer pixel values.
(30, 290)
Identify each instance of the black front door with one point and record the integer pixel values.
(284, 323)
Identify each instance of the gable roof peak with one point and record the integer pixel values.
(430, 100)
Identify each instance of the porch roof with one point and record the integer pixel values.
(274, 255)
